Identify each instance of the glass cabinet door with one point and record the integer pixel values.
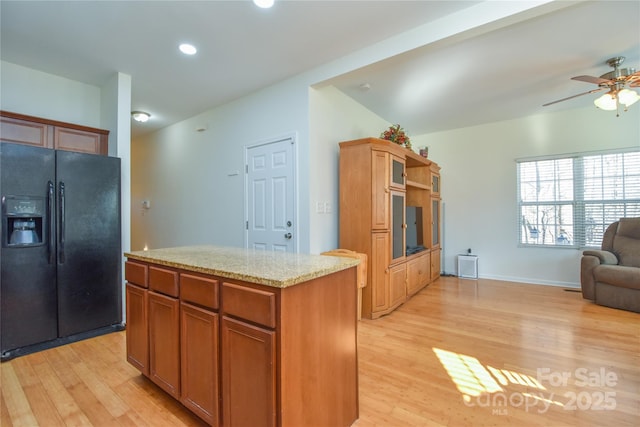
(397, 227)
(435, 222)
(435, 183)
(398, 174)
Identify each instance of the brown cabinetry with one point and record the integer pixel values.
(249, 374)
(199, 346)
(136, 275)
(382, 185)
(376, 299)
(244, 354)
(249, 347)
(164, 342)
(22, 129)
(398, 285)
(380, 190)
(418, 273)
(199, 361)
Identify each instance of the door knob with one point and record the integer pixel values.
(287, 236)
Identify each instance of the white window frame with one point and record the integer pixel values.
(560, 208)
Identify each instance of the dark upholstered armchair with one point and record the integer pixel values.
(611, 276)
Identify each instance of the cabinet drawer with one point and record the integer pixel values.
(199, 290)
(255, 305)
(163, 281)
(136, 273)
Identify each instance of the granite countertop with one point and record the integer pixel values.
(277, 269)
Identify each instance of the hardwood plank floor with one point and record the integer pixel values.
(459, 353)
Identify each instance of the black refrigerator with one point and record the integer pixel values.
(61, 247)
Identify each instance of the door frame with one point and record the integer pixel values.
(293, 137)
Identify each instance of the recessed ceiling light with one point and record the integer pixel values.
(188, 49)
(265, 4)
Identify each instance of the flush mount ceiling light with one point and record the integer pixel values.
(265, 4)
(187, 49)
(615, 82)
(140, 116)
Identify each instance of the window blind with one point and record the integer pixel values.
(569, 201)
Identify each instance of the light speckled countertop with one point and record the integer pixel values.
(275, 269)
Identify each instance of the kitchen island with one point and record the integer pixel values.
(244, 337)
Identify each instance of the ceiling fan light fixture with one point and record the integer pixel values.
(606, 102)
(628, 97)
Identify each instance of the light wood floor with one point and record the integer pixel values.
(461, 352)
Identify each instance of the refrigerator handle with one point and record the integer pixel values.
(62, 224)
(52, 222)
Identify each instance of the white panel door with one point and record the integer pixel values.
(270, 193)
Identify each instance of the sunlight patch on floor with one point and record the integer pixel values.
(472, 378)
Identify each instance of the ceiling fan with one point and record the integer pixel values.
(615, 82)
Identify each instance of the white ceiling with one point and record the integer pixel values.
(501, 72)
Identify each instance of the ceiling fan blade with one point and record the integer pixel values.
(591, 79)
(634, 80)
(574, 96)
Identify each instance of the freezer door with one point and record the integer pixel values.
(28, 297)
(89, 249)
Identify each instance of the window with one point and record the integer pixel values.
(569, 201)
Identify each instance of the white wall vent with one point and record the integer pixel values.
(468, 266)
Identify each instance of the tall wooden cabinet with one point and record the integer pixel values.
(382, 185)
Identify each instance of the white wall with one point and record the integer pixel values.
(34, 93)
(334, 117)
(195, 180)
(479, 186)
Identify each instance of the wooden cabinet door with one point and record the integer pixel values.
(164, 342)
(418, 273)
(199, 362)
(435, 263)
(380, 192)
(379, 264)
(79, 140)
(26, 132)
(248, 375)
(398, 285)
(137, 335)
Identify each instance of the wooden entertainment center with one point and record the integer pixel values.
(379, 183)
